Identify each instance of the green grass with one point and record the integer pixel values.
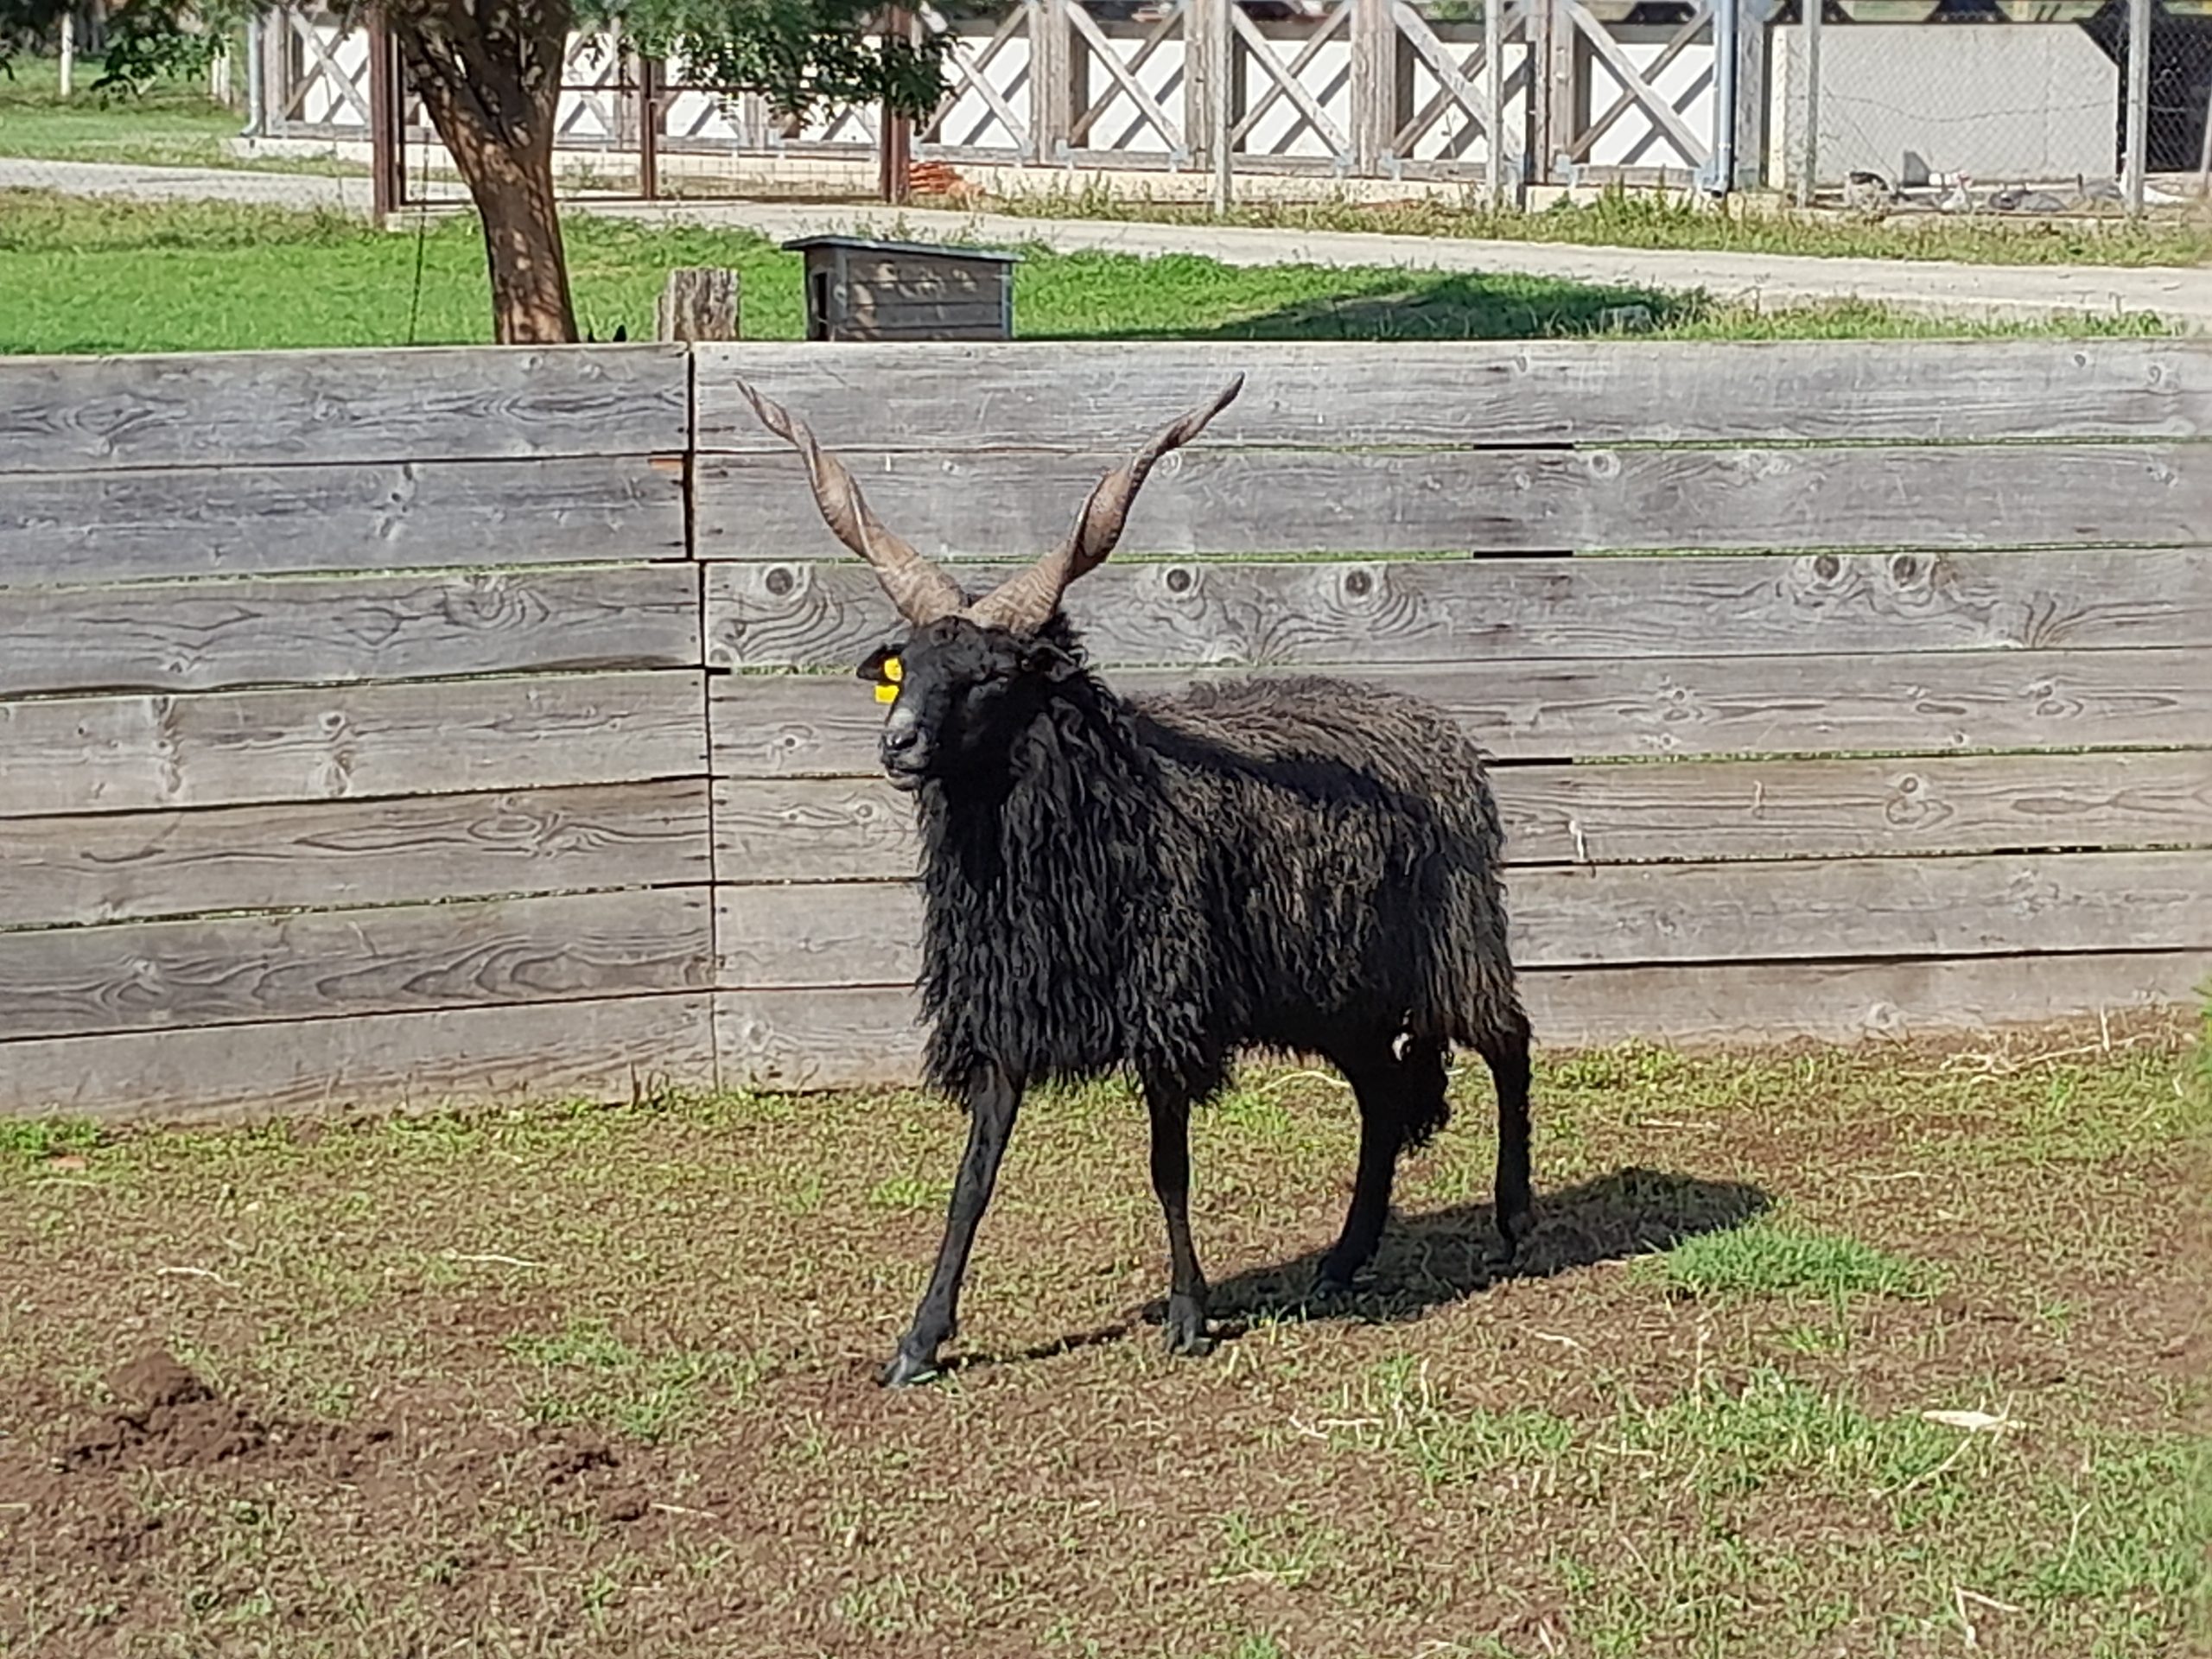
(1775, 1259)
(122, 277)
(627, 1381)
(1620, 219)
(170, 123)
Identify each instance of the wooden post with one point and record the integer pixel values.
(897, 138)
(66, 70)
(1552, 86)
(698, 303)
(1200, 52)
(387, 162)
(649, 74)
(1374, 85)
(1754, 38)
(1051, 118)
(2137, 161)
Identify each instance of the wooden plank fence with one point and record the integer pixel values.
(382, 728)
(351, 715)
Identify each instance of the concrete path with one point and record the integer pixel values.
(2182, 296)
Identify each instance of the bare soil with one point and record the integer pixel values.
(584, 1381)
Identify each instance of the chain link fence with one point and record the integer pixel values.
(2021, 107)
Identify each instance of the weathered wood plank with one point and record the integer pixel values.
(210, 636)
(1618, 915)
(1003, 505)
(222, 408)
(1215, 614)
(94, 527)
(1084, 395)
(149, 976)
(139, 753)
(611, 1049)
(860, 829)
(869, 1037)
(127, 866)
(805, 725)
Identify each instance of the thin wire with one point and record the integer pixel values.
(422, 235)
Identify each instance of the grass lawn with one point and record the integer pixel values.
(172, 124)
(116, 277)
(1893, 1351)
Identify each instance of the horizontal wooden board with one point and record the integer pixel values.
(207, 636)
(1213, 614)
(804, 725)
(869, 1036)
(139, 753)
(226, 409)
(1620, 915)
(159, 976)
(1005, 505)
(1088, 394)
(609, 1048)
(95, 527)
(860, 829)
(134, 866)
(888, 325)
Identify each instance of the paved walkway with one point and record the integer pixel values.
(2182, 296)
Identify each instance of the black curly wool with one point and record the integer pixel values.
(1288, 865)
(1155, 886)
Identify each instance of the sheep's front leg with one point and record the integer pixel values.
(1171, 1182)
(993, 1099)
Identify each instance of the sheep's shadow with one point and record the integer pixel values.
(1432, 1258)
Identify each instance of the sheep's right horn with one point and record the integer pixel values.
(1025, 601)
(922, 592)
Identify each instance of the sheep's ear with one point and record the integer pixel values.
(877, 667)
(1042, 657)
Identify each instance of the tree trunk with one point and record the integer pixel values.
(490, 77)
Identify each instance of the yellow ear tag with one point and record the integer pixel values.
(887, 690)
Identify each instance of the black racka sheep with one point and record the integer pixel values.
(1152, 886)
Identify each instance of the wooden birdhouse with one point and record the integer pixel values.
(857, 289)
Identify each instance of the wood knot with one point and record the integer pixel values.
(779, 582)
(1827, 566)
(1180, 580)
(1359, 584)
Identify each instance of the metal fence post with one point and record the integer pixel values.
(2139, 104)
(1718, 176)
(1809, 166)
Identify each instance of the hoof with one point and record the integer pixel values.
(1511, 1230)
(1330, 1287)
(1186, 1331)
(905, 1372)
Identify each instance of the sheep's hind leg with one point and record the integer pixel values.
(1396, 1096)
(1505, 1050)
(1171, 1182)
(993, 1099)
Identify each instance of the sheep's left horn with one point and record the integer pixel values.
(1025, 601)
(922, 592)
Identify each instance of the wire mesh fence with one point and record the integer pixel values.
(2021, 107)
